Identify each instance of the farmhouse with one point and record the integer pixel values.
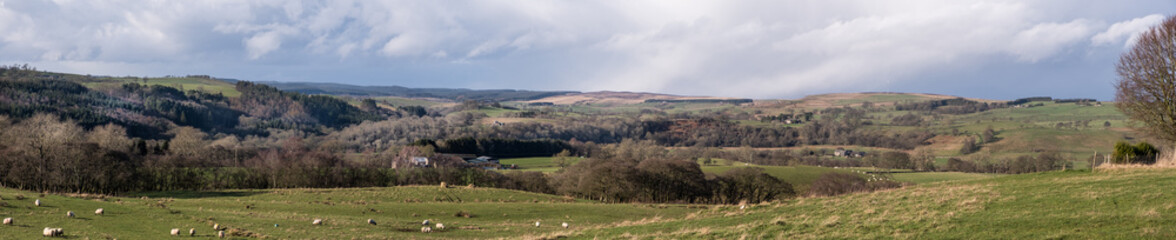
(420, 161)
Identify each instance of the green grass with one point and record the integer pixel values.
(536, 164)
(930, 177)
(201, 84)
(799, 176)
(496, 213)
(1123, 204)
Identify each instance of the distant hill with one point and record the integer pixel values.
(620, 98)
(398, 91)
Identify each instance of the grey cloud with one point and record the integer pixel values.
(744, 49)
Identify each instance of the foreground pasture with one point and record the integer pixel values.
(288, 213)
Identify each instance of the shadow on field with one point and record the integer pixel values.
(197, 194)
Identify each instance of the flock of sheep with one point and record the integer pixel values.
(57, 232)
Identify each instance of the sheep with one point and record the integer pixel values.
(372, 222)
(443, 185)
(52, 232)
(536, 223)
(7, 221)
(70, 214)
(99, 211)
(317, 222)
(440, 227)
(426, 230)
(191, 232)
(216, 226)
(425, 223)
(175, 232)
(220, 234)
(741, 207)
(37, 202)
(565, 225)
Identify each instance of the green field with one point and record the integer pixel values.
(287, 213)
(1123, 204)
(183, 83)
(1126, 204)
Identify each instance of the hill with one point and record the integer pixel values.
(398, 91)
(613, 98)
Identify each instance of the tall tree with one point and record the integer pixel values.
(1146, 90)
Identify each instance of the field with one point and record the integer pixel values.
(183, 83)
(287, 213)
(1122, 204)
(1131, 203)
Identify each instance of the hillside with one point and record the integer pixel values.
(398, 91)
(1108, 204)
(608, 98)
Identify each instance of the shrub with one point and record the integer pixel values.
(1142, 152)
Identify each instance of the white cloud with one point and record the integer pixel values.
(743, 48)
(1129, 29)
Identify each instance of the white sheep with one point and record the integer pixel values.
(425, 223)
(70, 214)
(440, 227)
(372, 222)
(216, 226)
(536, 223)
(175, 232)
(220, 234)
(7, 221)
(426, 230)
(565, 225)
(37, 202)
(191, 232)
(741, 207)
(317, 222)
(99, 211)
(52, 232)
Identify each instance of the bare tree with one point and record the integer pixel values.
(1146, 90)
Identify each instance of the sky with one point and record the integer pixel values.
(746, 49)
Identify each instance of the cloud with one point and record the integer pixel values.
(744, 49)
(1129, 29)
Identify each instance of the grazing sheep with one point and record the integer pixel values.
(99, 211)
(220, 234)
(37, 202)
(440, 227)
(426, 230)
(741, 207)
(7, 221)
(536, 223)
(372, 222)
(443, 185)
(52, 232)
(317, 222)
(191, 232)
(175, 232)
(216, 226)
(425, 223)
(565, 225)
(70, 214)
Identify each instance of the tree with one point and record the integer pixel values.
(563, 158)
(989, 135)
(969, 146)
(1146, 90)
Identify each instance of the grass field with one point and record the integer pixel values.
(201, 84)
(1108, 204)
(287, 213)
(1123, 204)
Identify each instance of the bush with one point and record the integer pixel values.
(1142, 152)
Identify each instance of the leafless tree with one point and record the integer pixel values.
(1146, 90)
